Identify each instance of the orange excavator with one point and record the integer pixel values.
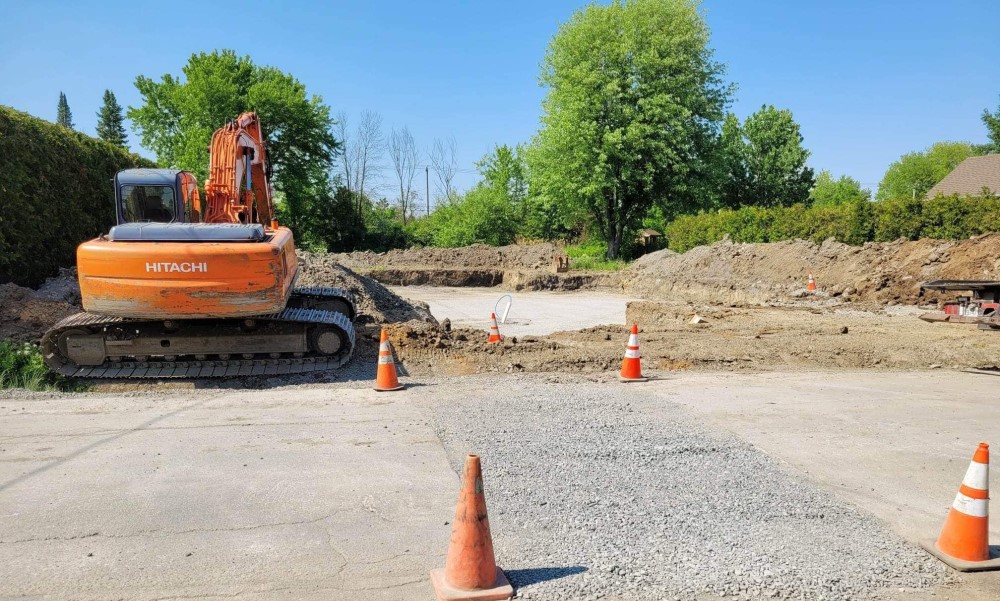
(182, 289)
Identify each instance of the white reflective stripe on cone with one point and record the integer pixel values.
(977, 508)
(384, 347)
(632, 354)
(383, 359)
(633, 340)
(978, 476)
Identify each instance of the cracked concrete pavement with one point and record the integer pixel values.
(316, 492)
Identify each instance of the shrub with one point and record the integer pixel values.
(55, 192)
(856, 222)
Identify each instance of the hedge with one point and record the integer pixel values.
(55, 192)
(944, 217)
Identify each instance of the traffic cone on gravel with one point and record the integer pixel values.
(385, 375)
(494, 330)
(631, 367)
(964, 540)
(470, 572)
(811, 286)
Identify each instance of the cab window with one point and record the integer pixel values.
(148, 203)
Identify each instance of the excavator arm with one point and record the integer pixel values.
(238, 189)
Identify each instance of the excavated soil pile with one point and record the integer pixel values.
(477, 256)
(732, 273)
(375, 303)
(24, 316)
(514, 267)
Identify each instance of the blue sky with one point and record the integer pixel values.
(867, 81)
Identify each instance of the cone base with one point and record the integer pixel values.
(388, 388)
(500, 591)
(993, 563)
(639, 379)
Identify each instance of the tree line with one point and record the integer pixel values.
(635, 133)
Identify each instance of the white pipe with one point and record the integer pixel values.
(510, 301)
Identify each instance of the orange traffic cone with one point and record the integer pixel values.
(494, 330)
(964, 540)
(631, 367)
(470, 572)
(385, 375)
(811, 286)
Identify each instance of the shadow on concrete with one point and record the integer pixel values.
(535, 575)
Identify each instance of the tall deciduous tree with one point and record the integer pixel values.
(915, 173)
(111, 121)
(831, 192)
(404, 156)
(361, 156)
(444, 164)
(64, 116)
(765, 163)
(633, 105)
(179, 115)
(992, 123)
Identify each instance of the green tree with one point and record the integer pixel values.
(111, 122)
(179, 115)
(992, 123)
(829, 192)
(64, 116)
(916, 172)
(765, 163)
(633, 106)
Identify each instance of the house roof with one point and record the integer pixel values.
(970, 177)
(649, 233)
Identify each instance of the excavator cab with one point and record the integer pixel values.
(157, 196)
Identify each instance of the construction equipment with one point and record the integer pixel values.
(979, 308)
(178, 289)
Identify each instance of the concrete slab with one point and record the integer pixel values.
(315, 493)
(896, 444)
(535, 313)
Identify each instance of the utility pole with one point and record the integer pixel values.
(427, 176)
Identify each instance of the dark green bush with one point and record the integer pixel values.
(55, 192)
(857, 222)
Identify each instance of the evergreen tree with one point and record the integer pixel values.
(64, 116)
(111, 121)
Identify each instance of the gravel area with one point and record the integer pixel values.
(600, 494)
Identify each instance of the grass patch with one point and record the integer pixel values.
(593, 257)
(22, 366)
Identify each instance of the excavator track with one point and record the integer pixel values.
(315, 332)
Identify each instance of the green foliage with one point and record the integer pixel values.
(831, 192)
(631, 115)
(764, 161)
(64, 116)
(592, 255)
(384, 228)
(178, 116)
(484, 215)
(56, 192)
(855, 222)
(992, 123)
(22, 366)
(915, 173)
(111, 122)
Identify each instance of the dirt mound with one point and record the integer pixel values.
(24, 317)
(477, 256)
(376, 304)
(762, 273)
